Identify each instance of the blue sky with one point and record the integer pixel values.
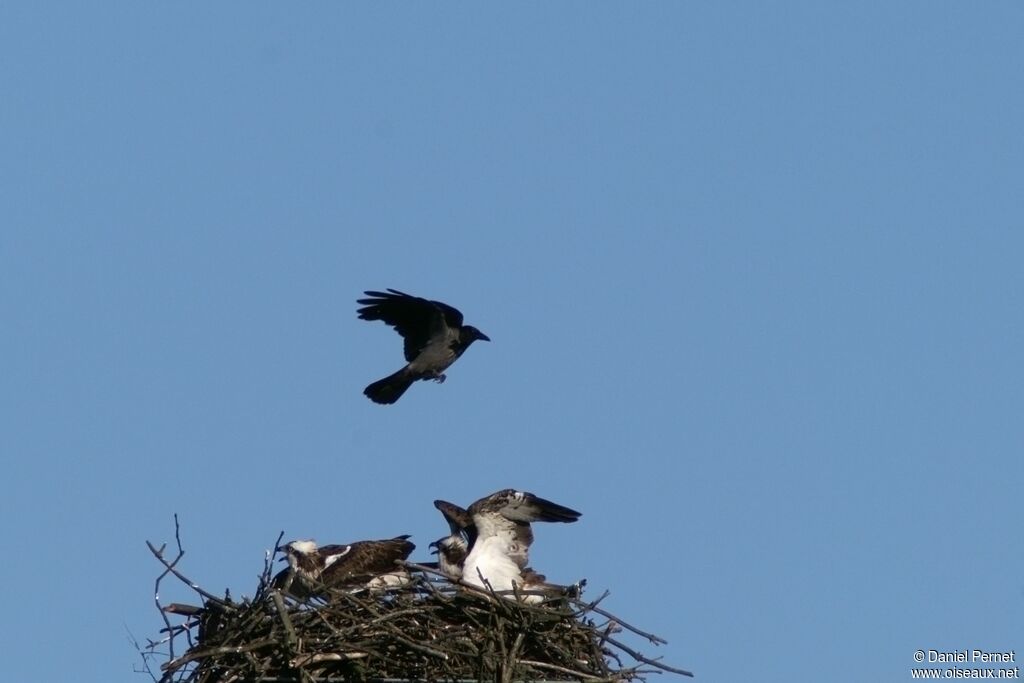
(752, 273)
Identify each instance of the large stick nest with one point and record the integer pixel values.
(429, 630)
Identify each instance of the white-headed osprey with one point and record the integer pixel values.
(363, 564)
(498, 541)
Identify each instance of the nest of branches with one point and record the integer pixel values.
(428, 630)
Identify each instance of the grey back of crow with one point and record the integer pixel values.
(434, 338)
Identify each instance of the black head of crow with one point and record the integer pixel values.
(434, 339)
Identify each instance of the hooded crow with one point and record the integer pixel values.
(434, 339)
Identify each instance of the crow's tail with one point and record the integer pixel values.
(391, 388)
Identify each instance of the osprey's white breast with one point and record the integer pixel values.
(490, 559)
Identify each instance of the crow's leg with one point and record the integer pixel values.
(435, 375)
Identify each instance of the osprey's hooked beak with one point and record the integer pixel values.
(436, 548)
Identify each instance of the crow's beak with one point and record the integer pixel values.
(483, 336)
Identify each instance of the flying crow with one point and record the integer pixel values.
(434, 339)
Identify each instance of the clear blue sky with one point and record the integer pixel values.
(753, 272)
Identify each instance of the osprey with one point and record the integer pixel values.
(363, 564)
(452, 549)
(434, 339)
(499, 539)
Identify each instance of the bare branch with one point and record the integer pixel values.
(571, 672)
(158, 553)
(649, 636)
(640, 658)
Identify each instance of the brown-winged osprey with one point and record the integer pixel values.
(498, 541)
(363, 564)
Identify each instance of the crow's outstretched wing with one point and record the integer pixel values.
(417, 320)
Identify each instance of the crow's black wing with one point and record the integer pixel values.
(452, 315)
(416, 319)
